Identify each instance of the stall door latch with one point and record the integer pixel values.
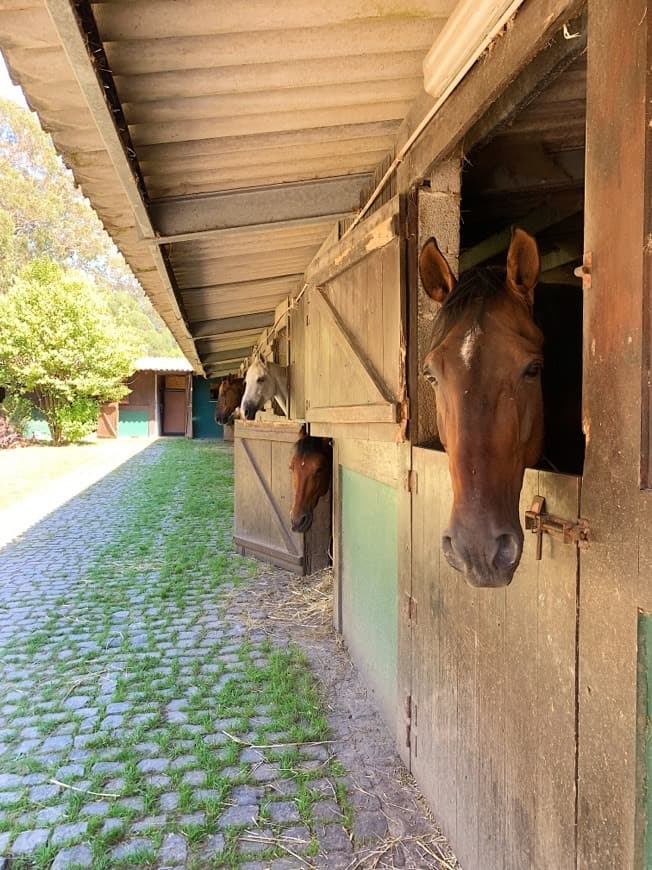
(539, 522)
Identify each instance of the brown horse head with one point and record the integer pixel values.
(485, 362)
(311, 464)
(228, 398)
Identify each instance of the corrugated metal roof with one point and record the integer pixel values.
(244, 132)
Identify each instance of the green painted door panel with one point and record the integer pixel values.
(133, 423)
(203, 411)
(369, 560)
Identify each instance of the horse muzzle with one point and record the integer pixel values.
(486, 560)
(249, 411)
(302, 522)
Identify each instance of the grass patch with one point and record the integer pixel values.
(142, 625)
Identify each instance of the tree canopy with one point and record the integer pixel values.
(59, 347)
(43, 213)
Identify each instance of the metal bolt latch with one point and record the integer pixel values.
(538, 521)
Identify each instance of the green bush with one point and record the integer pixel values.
(18, 411)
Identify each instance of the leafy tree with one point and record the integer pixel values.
(43, 213)
(59, 346)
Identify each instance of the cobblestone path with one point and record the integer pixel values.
(139, 724)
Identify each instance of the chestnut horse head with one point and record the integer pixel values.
(485, 363)
(229, 397)
(311, 464)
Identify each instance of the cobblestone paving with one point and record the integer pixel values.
(141, 723)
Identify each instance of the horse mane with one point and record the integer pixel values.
(476, 288)
(309, 444)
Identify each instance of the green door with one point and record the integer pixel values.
(203, 411)
(369, 579)
(133, 423)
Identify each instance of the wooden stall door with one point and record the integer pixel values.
(263, 498)
(355, 350)
(174, 405)
(492, 700)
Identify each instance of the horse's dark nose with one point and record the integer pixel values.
(302, 522)
(484, 559)
(250, 411)
(508, 551)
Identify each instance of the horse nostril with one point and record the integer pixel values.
(508, 551)
(447, 547)
(301, 523)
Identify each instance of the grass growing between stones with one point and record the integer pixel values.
(126, 682)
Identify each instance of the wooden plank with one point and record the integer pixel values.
(275, 555)
(405, 665)
(373, 459)
(337, 538)
(281, 430)
(297, 369)
(367, 431)
(250, 523)
(617, 126)
(450, 625)
(272, 493)
(368, 236)
(469, 724)
(393, 364)
(520, 736)
(343, 333)
(556, 682)
(371, 413)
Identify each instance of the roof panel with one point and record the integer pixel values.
(254, 126)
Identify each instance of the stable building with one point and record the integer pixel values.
(271, 180)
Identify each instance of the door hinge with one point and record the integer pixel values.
(411, 724)
(539, 522)
(412, 482)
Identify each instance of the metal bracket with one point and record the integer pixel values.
(585, 270)
(538, 521)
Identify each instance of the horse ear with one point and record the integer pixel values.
(303, 433)
(436, 275)
(523, 264)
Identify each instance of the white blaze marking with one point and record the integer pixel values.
(468, 345)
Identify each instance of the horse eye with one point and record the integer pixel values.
(430, 378)
(534, 369)
(261, 379)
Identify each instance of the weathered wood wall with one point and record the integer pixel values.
(493, 686)
(615, 571)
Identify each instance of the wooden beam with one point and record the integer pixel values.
(259, 205)
(536, 23)
(535, 78)
(534, 223)
(376, 231)
(221, 326)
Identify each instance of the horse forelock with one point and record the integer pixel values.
(308, 445)
(475, 291)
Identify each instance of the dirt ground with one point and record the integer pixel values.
(291, 608)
